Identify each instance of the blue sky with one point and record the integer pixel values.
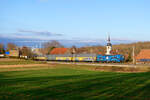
(75, 19)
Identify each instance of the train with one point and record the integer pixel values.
(83, 58)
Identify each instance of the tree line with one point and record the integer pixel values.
(124, 49)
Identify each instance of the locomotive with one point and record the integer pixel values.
(110, 58)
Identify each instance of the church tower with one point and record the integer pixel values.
(108, 47)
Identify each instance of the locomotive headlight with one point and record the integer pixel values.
(107, 57)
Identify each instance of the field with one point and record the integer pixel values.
(11, 61)
(69, 82)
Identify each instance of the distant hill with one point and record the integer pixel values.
(127, 48)
(67, 43)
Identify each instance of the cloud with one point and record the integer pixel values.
(41, 33)
(22, 36)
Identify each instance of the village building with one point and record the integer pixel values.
(57, 51)
(143, 56)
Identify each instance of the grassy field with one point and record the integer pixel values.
(11, 61)
(72, 82)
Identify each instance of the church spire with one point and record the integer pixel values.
(109, 46)
(108, 38)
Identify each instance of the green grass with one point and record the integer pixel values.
(67, 83)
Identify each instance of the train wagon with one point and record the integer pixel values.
(72, 57)
(85, 57)
(65, 57)
(40, 58)
(51, 57)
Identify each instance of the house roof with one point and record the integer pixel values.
(59, 51)
(144, 54)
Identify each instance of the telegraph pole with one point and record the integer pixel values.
(134, 61)
(91, 52)
(73, 54)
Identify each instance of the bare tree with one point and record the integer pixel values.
(48, 46)
(73, 52)
(73, 49)
(11, 46)
(53, 43)
(25, 51)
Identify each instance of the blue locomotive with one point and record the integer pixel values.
(110, 58)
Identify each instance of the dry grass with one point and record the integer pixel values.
(123, 69)
(15, 61)
(28, 65)
(10, 59)
(8, 64)
(5, 68)
(108, 68)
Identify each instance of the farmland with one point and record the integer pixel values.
(40, 81)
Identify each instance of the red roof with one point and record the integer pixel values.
(144, 54)
(59, 51)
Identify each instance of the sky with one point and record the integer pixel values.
(75, 19)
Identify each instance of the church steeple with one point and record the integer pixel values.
(108, 38)
(108, 41)
(109, 46)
